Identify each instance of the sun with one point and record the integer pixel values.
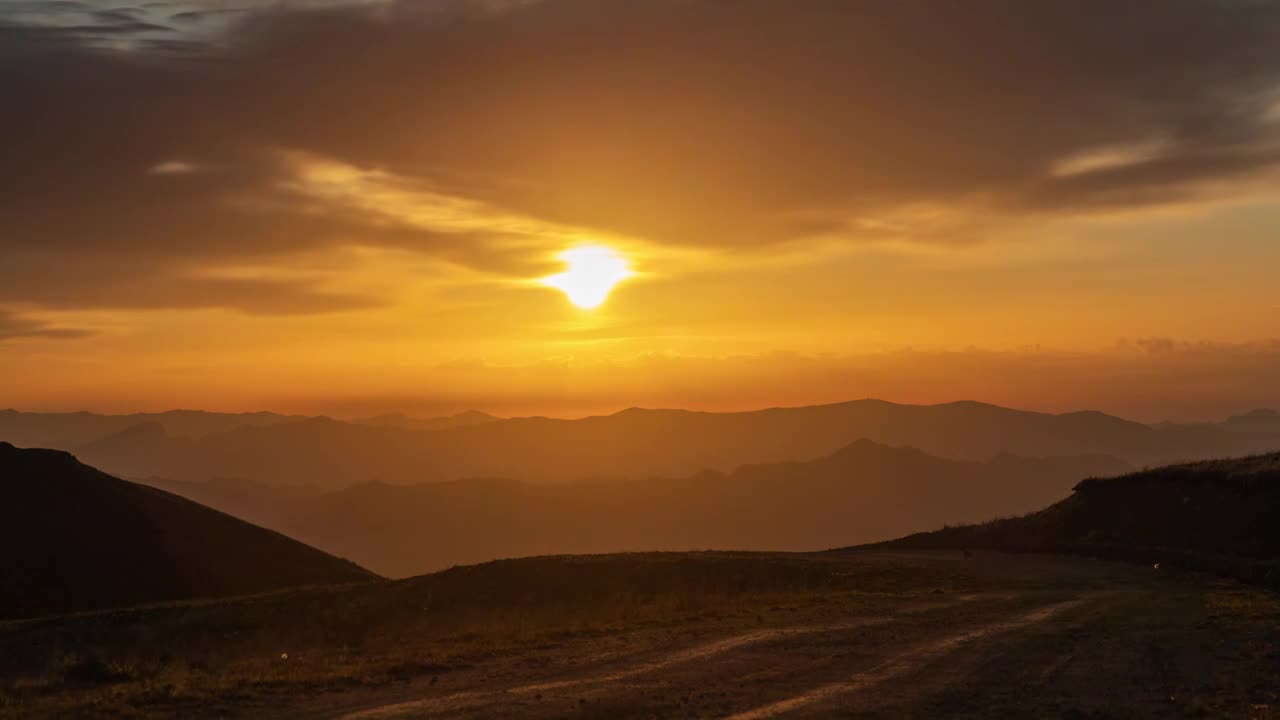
(593, 271)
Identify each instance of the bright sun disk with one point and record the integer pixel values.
(593, 271)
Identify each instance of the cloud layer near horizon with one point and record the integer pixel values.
(1148, 380)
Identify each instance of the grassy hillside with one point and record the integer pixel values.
(1217, 515)
(74, 538)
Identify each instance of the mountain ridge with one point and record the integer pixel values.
(638, 442)
(864, 490)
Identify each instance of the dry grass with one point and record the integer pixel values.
(205, 658)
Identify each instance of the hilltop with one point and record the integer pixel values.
(1216, 515)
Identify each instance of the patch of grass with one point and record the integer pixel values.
(1242, 603)
(90, 671)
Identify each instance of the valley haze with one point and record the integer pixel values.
(403, 496)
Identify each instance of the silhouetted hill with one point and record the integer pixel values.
(1219, 515)
(74, 538)
(863, 492)
(644, 443)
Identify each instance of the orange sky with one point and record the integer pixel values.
(921, 202)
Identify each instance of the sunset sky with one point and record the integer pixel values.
(361, 207)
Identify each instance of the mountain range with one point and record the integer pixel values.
(863, 492)
(634, 444)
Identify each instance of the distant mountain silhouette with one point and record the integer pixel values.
(1261, 420)
(74, 538)
(139, 449)
(1217, 515)
(65, 431)
(644, 443)
(259, 503)
(71, 430)
(400, 420)
(863, 492)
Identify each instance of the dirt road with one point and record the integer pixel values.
(1053, 637)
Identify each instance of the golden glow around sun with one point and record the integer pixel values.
(593, 271)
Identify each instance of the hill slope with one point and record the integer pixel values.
(1218, 515)
(74, 538)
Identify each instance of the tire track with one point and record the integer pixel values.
(472, 698)
(904, 663)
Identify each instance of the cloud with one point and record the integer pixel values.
(1182, 381)
(109, 281)
(174, 167)
(677, 123)
(13, 326)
